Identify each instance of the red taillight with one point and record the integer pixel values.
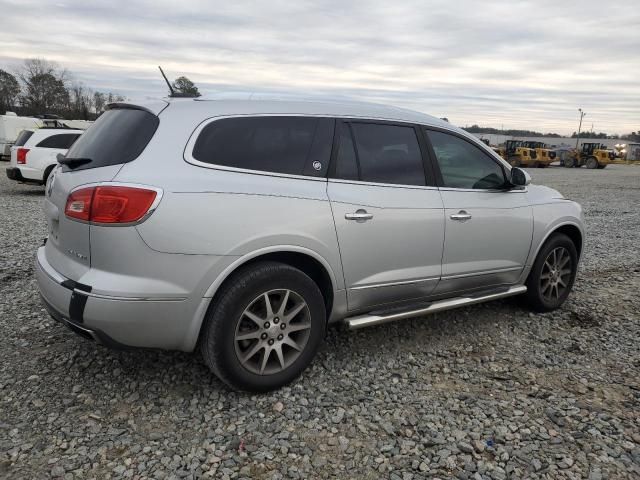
(79, 204)
(109, 204)
(22, 155)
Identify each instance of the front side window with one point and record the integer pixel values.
(388, 154)
(290, 145)
(463, 165)
(62, 141)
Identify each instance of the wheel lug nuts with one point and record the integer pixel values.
(263, 336)
(267, 324)
(276, 320)
(280, 337)
(283, 326)
(271, 341)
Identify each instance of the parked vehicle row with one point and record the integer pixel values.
(243, 228)
(34, 154)
(11, 125)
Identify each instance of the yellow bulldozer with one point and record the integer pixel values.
(591, 155)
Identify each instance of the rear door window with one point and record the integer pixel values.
(61, 141)
(385, 154)
(346, 162)
(289, 145)
(23, 137)
(117, 136)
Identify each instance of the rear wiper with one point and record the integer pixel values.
(72, 162)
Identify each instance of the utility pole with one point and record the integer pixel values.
(582, 114)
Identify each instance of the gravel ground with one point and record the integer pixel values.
(486, 392)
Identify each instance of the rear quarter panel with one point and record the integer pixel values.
(221, 213)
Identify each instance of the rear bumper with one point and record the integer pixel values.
(119, 323)
(96, 335)
(14, 173)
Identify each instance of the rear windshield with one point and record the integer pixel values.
(23, 136)
(118, 136)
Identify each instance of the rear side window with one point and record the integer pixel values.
(290, 145)
(388, 154)
(62, 141)
(23, 137)
(118, 136)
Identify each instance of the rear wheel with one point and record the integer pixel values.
(569, 162)
(265, 327)
(553, 274)
(592, 163)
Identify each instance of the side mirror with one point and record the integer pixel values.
(519, 178)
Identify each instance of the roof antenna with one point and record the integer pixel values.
(173, 93)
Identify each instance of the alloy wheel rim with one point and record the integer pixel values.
(272, 331)
(556, 274)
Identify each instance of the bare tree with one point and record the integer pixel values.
(9, 91)
(44, 86)
(99, 102)
(81, 101)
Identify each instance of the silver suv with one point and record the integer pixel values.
(244, 227)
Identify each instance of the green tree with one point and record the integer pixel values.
(9, 91)
(186, 86)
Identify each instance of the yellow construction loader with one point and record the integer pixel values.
(544, 156)
(592, 155)
(519, 155)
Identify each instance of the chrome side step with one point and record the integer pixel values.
(362, 321)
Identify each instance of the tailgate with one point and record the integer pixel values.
(68, 245)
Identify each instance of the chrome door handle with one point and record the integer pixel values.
(461, 216)
(359, 216)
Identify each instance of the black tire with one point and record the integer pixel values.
(218, 338)
(592, 163)
(569, 162)
(536, 295)
(600, 167)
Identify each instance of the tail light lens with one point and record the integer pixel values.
(110, 204)
(22, 155)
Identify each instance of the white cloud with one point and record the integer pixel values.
(521, 64)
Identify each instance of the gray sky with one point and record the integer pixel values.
(494, 62)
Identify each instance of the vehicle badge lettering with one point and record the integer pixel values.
(317, 165)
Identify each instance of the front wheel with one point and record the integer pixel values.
(592, 163)
(265, 327)
(553, 274)
(569, 162)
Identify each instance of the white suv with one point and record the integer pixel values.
(35, 152)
